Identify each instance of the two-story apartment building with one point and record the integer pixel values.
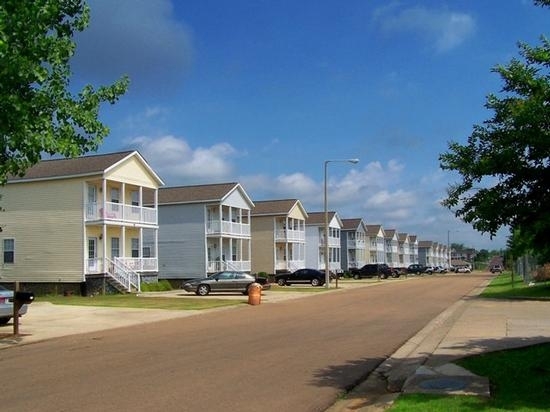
(413, 248)
(278, 236)
(404, 250)
(315, 241)
(376, 244)
(80, 224)
(392, 247)
(203, 229)
(353, 240)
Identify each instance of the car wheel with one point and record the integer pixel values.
(203, 290)
(281, 282)
(3, 321)
(315, 282)
(356, 277)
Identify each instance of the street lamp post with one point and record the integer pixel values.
(327, 269)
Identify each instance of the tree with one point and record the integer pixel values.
(38, 113)
(505, 164)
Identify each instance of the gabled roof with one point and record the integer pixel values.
(412, 238)
(279, 207)
(353, 224)
(425, 243)
(78, 166)
(389, 233)
(403, 237)
(211, 193)
(374, 230)
(318, 218)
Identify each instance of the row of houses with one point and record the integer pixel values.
(107, 221)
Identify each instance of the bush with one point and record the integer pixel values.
(160, 286)
(542, 274)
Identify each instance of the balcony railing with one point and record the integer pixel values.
(289, 235)
(332, 241)
(234, 265)
(290, 265)
(224, 227)
(119, 212)
(97, 265)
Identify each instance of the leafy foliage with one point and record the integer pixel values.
(505, 164)
(38, 114)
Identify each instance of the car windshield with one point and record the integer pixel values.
(3, 288)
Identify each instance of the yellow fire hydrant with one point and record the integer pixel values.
(254, 293)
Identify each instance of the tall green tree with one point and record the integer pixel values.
(505, 164)
(38, 113)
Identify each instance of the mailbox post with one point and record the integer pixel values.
(19, 299)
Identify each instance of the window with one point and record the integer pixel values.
(135, 247)
(135, 198)
(9, 250)
(115, 247)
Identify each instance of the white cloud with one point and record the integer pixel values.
(179, 164)
(444, 29)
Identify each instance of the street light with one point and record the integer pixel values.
(327, 271)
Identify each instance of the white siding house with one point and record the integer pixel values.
(315, 241)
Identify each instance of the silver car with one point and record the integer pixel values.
(6, 306)
(226, 281)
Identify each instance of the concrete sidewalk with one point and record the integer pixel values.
(471, 326)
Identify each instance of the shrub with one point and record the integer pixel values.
(160, 286)
(542, 274)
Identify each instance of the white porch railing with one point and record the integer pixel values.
(332, 241)
(233, 265)
(120, 212)
(123, 275)
(290, 265)
(216, 227)
(140, 264)
(96, 265)
(290, 235)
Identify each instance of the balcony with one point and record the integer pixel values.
(233, 265)
(98, 265)
(290, 235)
(117, 212)
(224, 227)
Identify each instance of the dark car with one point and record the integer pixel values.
(416, 268)
(370, 270)
(225, 281)
(312, 276)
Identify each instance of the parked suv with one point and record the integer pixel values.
(416, 268)
(496, 269)
(374, 269)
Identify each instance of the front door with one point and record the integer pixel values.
(93, 266)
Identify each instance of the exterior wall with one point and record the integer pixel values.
(263, 255)
(132, 172)
(235, 199)
(182, 241)
(312, 247)
(46, 221)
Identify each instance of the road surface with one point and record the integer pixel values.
(296, 355)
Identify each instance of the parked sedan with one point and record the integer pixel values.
(463, 269)
(6, 306)
(312, 276)
(225, 281)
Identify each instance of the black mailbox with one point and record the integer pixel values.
(23, 298)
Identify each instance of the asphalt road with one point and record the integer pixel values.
(295, 355)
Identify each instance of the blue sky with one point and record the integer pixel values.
(263, 92)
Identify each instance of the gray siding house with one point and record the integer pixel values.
(353, 240)
(203, 229)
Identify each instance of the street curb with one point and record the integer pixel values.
(386, 382)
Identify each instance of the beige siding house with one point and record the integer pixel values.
(278, 236)
(80, 223)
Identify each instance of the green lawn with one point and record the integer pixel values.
(520, 378)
